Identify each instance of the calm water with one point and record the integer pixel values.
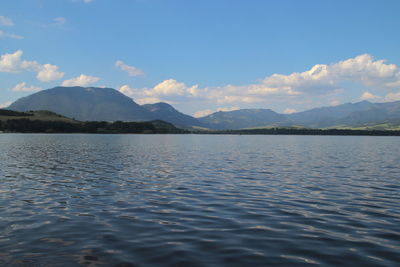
(190, 200)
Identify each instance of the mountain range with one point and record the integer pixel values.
(107, 104)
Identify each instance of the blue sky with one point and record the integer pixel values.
(203, 56)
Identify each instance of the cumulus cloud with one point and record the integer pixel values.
(131, 70)
(171, 87)
(4, 35)
(11, 62)
(321, 78)
(392, 97)
(4, 21)
(203, 113)
(48, 72)
(206, 112)
(126, 90)
(319, 81)
(334, 102)
(166, 91)
(14, 63)
(81, 80)
(22, 87)
(368, 96)
(289, 111)
(394, 84)
(138, 95)
(151, 100)
(228, 109)
(5, 104)
(322, 84)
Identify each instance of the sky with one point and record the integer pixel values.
(205, 56)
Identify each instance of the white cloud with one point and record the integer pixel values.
(5, 104)
(126, 90)
(334, 102)
(171, 87)
(322, 79)
(363, 69)
(322, 84)
(206, 112)
(14, 63)
(131, 70)
(138, 96)
(392, 97)
(48, 72)
(167, 87)
(4, 35)
(82, 80)
(319, 81)
(203, 113)
(151, 100)
(22, 87)
(87, 1)
(169, 91)
(11, 62)
(289, 111)
(4, 21)
(368, 96)
(395, 84)
(228, 109)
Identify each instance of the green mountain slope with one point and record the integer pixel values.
(243, 118)
(85, 104)
(166, 112)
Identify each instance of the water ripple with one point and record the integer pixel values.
(187, 200)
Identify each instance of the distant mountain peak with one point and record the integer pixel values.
(85, 103)
(166, 112)
(107, 104)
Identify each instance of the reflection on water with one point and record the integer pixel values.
(189, 200)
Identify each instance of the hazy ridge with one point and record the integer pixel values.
(107, 104)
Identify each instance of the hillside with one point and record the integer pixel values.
(41, 115)
(50, 122)
(107, 104)
(85, 104)
(328, 116)
(166, 112)
(243, 118)
(347, 116)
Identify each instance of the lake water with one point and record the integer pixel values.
(199, 200)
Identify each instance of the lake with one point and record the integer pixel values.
(199, 200)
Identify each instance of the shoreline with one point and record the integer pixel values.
(309, 132)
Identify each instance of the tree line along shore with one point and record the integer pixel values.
(49, 122)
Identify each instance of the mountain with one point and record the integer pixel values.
(107, 104)
(377, 113)
(327, 116)
(85, 104)
(166, 112)
(362, 114)
(243, 118)
(40, 115)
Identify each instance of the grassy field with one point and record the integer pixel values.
(36, 115)
(388, 126)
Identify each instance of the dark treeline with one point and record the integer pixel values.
(40, 126)
(26, 125)
(304, 131)
(7, 112)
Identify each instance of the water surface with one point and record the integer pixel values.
(199, 200)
